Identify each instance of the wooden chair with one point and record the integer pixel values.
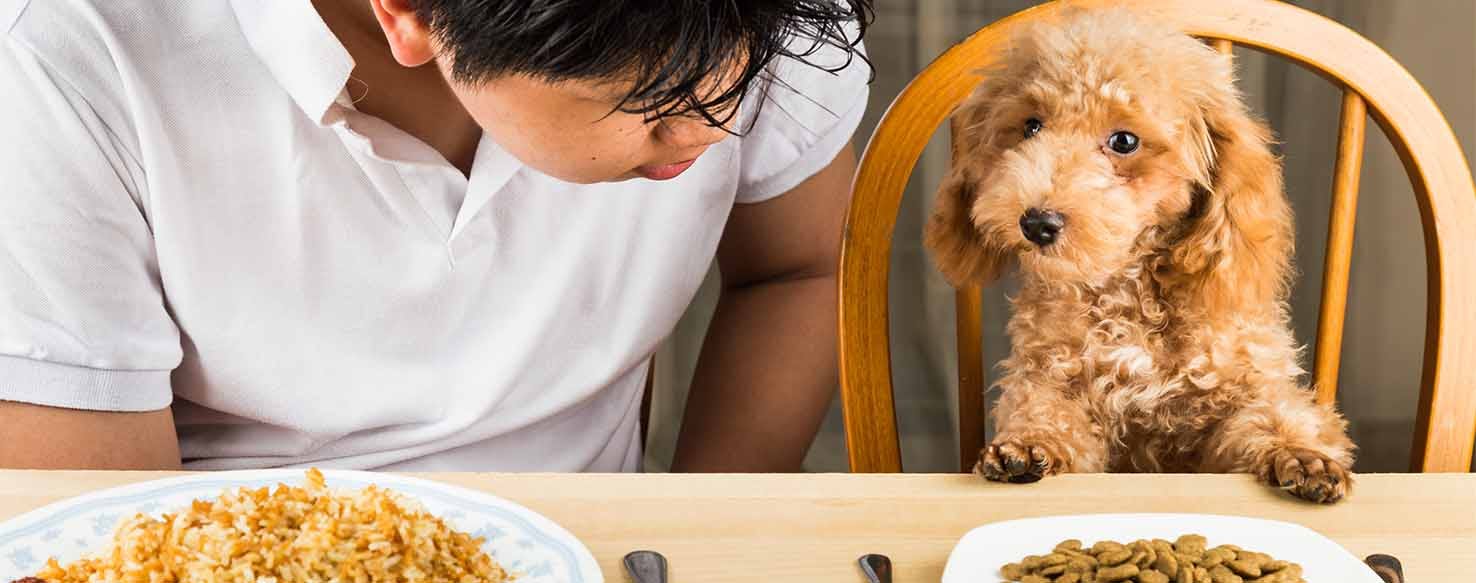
(1373, 84)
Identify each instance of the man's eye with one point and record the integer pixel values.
(1032, 127)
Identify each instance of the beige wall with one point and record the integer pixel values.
(1434, 39)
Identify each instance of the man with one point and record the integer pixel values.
(416, 234)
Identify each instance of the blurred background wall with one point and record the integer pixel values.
(1383, 346)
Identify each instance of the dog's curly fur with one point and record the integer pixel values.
(1153, 335)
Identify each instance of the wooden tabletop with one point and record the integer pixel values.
(812, 528)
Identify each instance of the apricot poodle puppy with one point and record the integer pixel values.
(1112, 161)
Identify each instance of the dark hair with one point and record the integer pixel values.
(668, 49)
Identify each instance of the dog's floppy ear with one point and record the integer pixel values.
(959, 250)
(963, 254)
(1237, 250)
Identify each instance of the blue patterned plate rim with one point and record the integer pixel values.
(545, 532)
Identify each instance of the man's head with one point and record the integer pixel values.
(603, 90)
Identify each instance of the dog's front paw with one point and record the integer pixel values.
(1308, 475)
(1016, 461)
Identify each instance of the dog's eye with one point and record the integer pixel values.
(1032, 127)
(1123, 142)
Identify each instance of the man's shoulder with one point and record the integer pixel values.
(104, 49)
(10, 12)
(816, 87)
(72, 33)
(809, 111)
(120, 17)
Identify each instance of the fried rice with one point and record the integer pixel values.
(288, 535)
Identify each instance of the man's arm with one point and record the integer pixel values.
(767, 372)
(83, 323)
(36, 437)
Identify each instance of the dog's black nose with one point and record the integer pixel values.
(1041, 226)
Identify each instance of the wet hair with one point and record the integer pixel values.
(676, 57)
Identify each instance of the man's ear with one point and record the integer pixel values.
(409, 38)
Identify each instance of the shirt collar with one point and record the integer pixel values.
(298, 48)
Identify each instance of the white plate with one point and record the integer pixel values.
(979, 555)
(523, 542)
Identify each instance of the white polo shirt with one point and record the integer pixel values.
(192, 213)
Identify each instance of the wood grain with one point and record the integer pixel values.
(812, 528)
(969, 328)
(1446, 427)
(1339, 259)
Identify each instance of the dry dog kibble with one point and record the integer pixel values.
(1166, 562)
(1054, 559)
(1119, 573)
(1191, 544)
(1219, 574)
(1106, 545)
(1152, 577)
(1114, 558)
(1291, 573)
(1142, 558)
(1216, 556)
(1189, 559)
(1245, 568)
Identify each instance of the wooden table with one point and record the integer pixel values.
(811, 528)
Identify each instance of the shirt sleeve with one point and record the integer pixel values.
(83, 323)
(808, 115)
